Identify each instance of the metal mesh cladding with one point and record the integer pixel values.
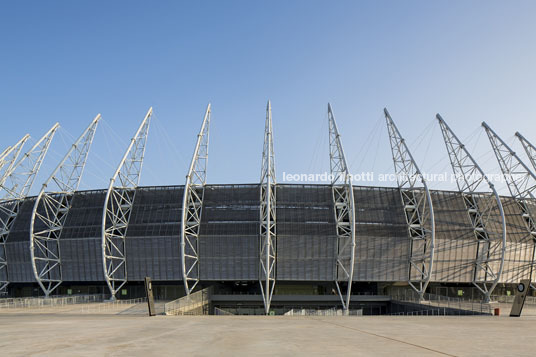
(306, 236)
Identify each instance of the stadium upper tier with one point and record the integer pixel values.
(305, 241)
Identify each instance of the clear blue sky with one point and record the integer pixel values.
(67, 61)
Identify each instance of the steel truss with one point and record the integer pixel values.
(51, 209)
(521, 183)
(344, 208)
(267, 214)
(489, 230)
(192, 207)
(418, 210)
(529, 148)
(14, 188)
(118, 207)
(9, 156)
(3, 155)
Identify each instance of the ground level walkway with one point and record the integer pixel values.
(134, 335)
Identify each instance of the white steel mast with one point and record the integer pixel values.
(51, 209)
(485, 212)
(9, 157)
(521, 183)
(344, 209)
(13, 189)
(418, 210)
(267, 215)
(192, 207)
(529, 148)
(118, 207)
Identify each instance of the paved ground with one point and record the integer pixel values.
(130, 335)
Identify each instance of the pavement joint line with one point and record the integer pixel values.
(387, 338)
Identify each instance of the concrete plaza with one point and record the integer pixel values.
(134, 335)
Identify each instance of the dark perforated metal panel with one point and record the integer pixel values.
(519, 245)
(381, 235)
(306, 233)
(306, 240)
(153, 235)
(455, 242)
(228, 240)
(18, 245)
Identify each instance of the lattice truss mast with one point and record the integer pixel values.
(51, 208)
(418, 210)
(7, 160)
(485, 212)
(344, 208)
(9, 156)
(15, 184)
(531, 153)
(192, 207)
(118, 207)
(521, 183)
(529, 149)
(267, 214)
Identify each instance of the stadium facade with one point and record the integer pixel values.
(265, 239)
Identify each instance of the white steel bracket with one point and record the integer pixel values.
(50, 212)
(344, 209)
(192, 207)
(482, 207)
(118, 207)
(9, 157)
(521, 183)
(13, 189)
(267, 243)
(529, 149)
(418, 210)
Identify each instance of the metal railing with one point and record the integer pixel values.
(470, 307)
(193, 304)
(112, 306)
(509, 299)
(429, 312)
(221, 312)
(327, 312)
(41, 302)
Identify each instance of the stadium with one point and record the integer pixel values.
(267, 247)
